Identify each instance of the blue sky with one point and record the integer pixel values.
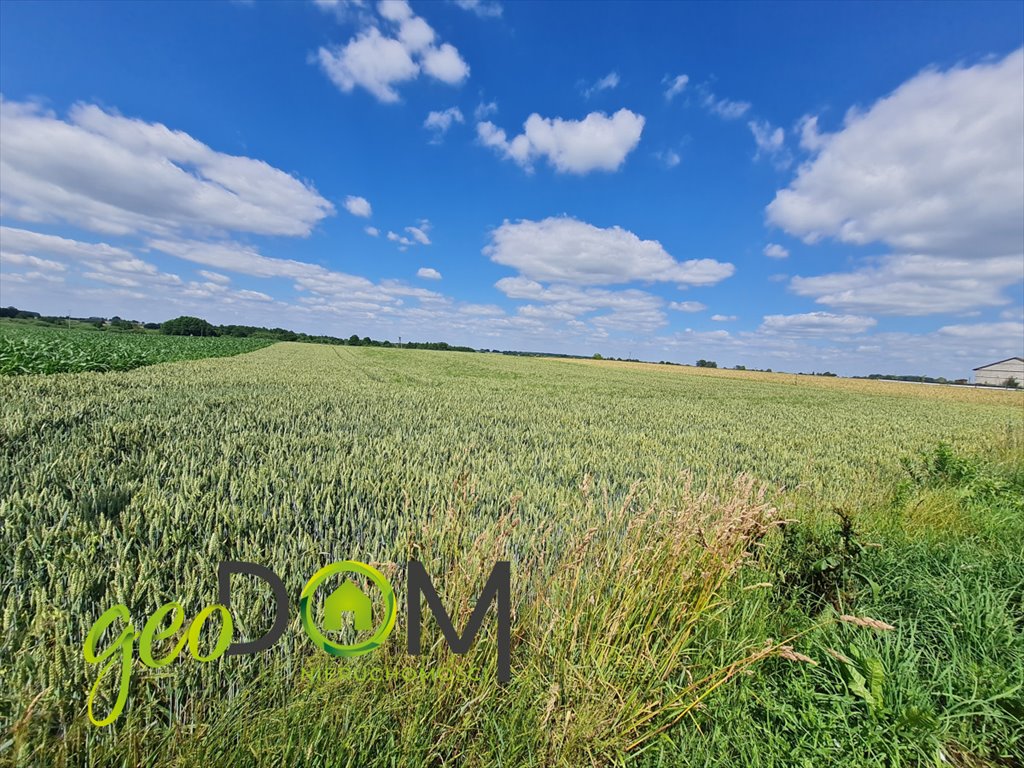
(798, 186)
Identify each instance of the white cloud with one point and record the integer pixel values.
(687, 306)
(484, 109)
(810, 138)
(419, 234)
(440, 121)
(775, 251)
(482, 310)
(215, 277)
(609, 81)
(567, 250)
(403, 241)
(117, 175)
(235, 257)
(377, 62)
(445, 64)
(485, 9)
(597, 142)
(627, 310)
(675, 86)
(936, 167)
(427, 273)
(670, 158)
(395, 10)
(15, 259)
(253, 295)
(724, 108)
(771, 143)
(935, 170)
(371, 231)
(98, 262)
(723, 318)
(14, 240)
(916, 285)
(341, 9)
(816, 324)
(371, 61)
(358, 206)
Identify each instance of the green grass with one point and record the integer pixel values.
(680, 539)
(27, 348)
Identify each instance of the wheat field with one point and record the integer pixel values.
(683, 543)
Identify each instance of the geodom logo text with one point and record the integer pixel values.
(167, 621)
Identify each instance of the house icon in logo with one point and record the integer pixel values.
(348, 598)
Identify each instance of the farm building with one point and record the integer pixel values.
(997, 373)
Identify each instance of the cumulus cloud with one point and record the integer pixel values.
(428, 273)
(775, 251)
(445, 64)
(597, 142)
(670, 158)
(687, 306)
(358, 206)
(726, 109)
(935, 171)
(606, 83)
(485, 9)
(440, 121)
(117, 175)
(484, 110)
(771, 143)
(936, 167)
(816, 324)
(810, 137)
(675, 85)
(723, 318)
(626, 310)
(371, 231)
(916, 285)
(563, 249)
(403, 241)
(377, 62)
(371, 61)
(419, 233)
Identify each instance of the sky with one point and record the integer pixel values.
(795, 186)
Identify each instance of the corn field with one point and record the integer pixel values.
(636, 504)
(37, 349)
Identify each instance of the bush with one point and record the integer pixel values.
(188, 326)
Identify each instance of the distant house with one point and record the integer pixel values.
(997, 373)
(347, 598)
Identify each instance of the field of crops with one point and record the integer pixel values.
(683, 545)
(26, 348)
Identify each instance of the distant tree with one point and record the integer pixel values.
(741, 368)
(597, 356)
(706, 364)
(152, 326)
(1011, 383)
(354, 340)
(188, 326)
